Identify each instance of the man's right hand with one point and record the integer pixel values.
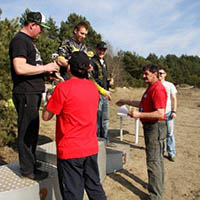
(108, 96)
(62, 61)
(51, 67)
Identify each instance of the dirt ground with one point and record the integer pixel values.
(182, 177)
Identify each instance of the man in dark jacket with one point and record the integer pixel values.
(101, 76)
(75, 43)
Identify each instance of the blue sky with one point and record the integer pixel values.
(142, 26)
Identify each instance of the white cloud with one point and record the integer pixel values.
(146, 26)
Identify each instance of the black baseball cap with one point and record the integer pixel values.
(79, 58)
(102, 45)
(38, 18)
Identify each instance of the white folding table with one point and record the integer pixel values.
(121, 116)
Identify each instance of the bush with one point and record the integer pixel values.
(8, 123)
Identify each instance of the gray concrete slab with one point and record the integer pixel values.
(117, 157)
(47, 153)
(14, 187)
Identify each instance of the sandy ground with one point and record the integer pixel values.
(182, 177)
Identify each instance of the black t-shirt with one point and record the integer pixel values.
(22, 45)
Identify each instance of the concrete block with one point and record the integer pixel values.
(47, 153)
(117, 157)
(114, 160)
(102, 159)
(13, 186)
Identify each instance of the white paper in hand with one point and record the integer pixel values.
(123, 110)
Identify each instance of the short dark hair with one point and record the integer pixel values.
(152, 68)
(163, 68)
(81, 24)
(79, 64)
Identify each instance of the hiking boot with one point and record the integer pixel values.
(37, 175)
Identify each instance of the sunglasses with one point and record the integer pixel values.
(160, 73)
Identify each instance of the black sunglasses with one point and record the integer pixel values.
(161, 73)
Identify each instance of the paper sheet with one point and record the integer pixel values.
(123, 109)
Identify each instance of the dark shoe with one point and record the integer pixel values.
(38, 164)
(37, 175)
(171, 158)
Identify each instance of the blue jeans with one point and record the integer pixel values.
(103, 118)
(171, 149)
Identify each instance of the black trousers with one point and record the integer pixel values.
(27, 106)
(78, 174)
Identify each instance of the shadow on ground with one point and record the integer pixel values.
(125, 183)
(114, 136)
(44, 139)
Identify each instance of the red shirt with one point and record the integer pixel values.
(75, 103)
(155, 97)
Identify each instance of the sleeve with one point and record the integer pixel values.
(65, 49)
(173, 89)
(55, 103)
(19, 48)
(95, 72)
(100, 89)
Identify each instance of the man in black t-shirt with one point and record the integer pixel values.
(27, 73)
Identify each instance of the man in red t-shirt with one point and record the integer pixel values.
(152, 115)
(75, 104)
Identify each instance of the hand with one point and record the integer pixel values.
(173, 115)
(111, 82)
(51, 67)
(108, 96)
(134, 114)
(90, 68)
(52, 78)
(62, 61)
(121, 102)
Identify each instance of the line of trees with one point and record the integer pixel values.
(125, 66)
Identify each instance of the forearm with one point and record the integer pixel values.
(151, 115)
(128, 102)
(21, 67)
(174, 103)
(148, 115)
(29, 70)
